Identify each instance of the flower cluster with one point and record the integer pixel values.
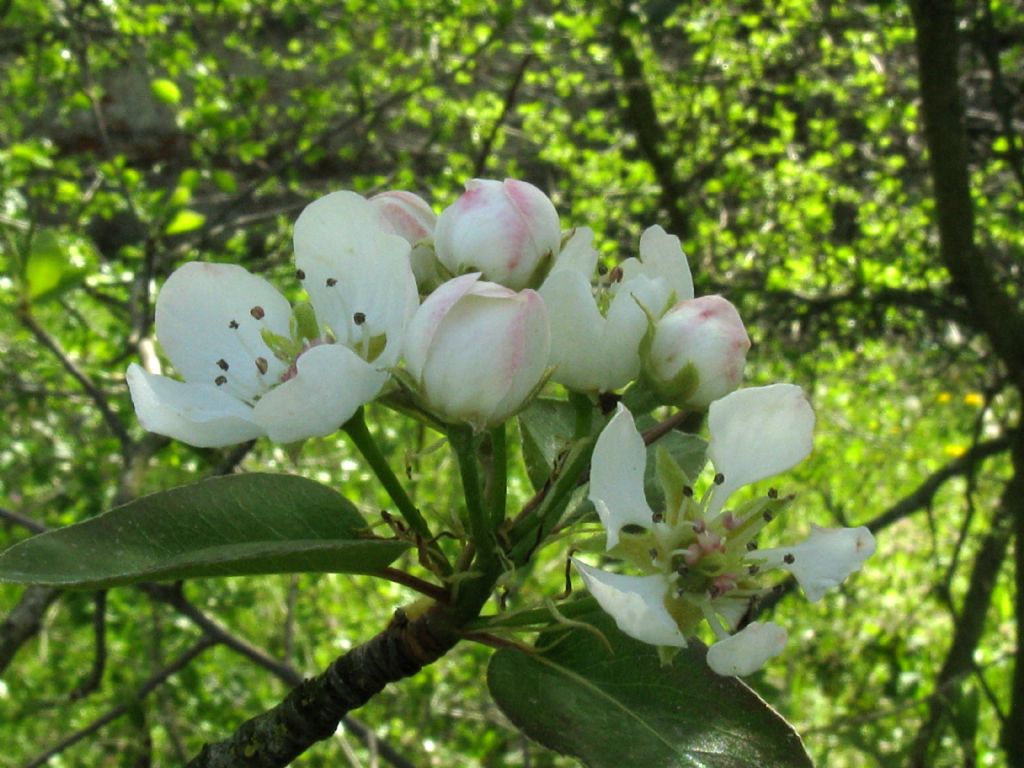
(473, 311)
(700, 560)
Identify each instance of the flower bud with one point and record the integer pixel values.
(508, 230)
(478, 350)
(697, 353)
(409, 216)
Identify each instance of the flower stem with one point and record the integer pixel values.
(498, 481)
(464, 444)
(584, 412)
(360, 435)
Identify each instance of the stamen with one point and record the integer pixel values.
(359, 318)
(688, 491)
(753, 569)
(299, 274)
(615, 276)
(261, 364)
(657, 517)
(221, 380)
(233, 324)
(331, 282)
(773, 493)
(789, 559)
(767, 516)
(751, 546)
(602, 270)
(257, 312)
(222, 364)
(719, 478)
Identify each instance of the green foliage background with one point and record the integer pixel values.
(785, 148)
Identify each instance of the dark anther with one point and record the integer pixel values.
(261, 364)
(615, 275)
(719, 478)
(688, 491)
(773, 493)
(300, 275)
(751, 546)
(359, 318)
(789, 559)
(257, 312)
(220, 380)
(767, 516)
(233, 324)
(653, 553)
(222, 364)
(602, 270)
(331, 282)
(633, 529)
(753, 569)
(657, 517)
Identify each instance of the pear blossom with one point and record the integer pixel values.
(700, 562)
(596, 334)
(252, 365)
(697, 352)
(478, 351)
(507, 230)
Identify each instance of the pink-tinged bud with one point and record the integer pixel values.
(508, 230)
(409, 216)
(478, 350)
(697, 353)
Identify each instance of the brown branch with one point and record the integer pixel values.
(313, 709)
(24, 621)
(510, 99)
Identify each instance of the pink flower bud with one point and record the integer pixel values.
(698, 352)
(409, 216)
(478, 350)
(508, 230)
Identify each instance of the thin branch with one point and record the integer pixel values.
(111, 419)
(99, 661)
(506, 107)
(151, 684)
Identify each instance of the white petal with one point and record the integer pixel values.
(662, 256)
(331, 383)
(578, 255)
(353, 267)
(757, 433)
(202, 415)
(209, 318)
(824, 559)
(429, 316)
(617, 476)
(637, 603)
(747, 651)
(576, 326)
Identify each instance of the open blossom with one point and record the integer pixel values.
(251, 365)
(478, 350)
(507, 230)
(596, 333)
(701, 562)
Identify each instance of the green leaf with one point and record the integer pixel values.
(547, 430)
(225, 526)
(687, 450)
(624, 708)
(48, 269)
(184, 221)
(166, 91)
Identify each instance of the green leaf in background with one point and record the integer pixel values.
(184, 221)
(166, 91)
(623, 708)
(225, 526)
(45, 265)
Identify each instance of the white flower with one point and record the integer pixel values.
(596, 333)
(410, 216)
(252, 367)
(701, 564)
(508, 230)
(478, 350)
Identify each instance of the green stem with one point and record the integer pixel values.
(498, 496)
(524, 536)
(464, 443)
(360, 435)
(584, 410)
